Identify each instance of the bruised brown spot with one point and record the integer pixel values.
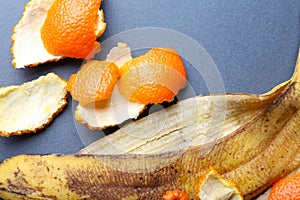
(16, 173)
(18, 188)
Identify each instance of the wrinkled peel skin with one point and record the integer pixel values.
(254, 156)
(280, 147)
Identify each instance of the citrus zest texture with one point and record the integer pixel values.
(175, 195)
(286, 188)
(94, 82)
(70, 28)
(154, 77)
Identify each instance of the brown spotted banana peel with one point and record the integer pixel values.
(264, 149)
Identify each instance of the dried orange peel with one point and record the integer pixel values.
(31, 106)
(28, 48)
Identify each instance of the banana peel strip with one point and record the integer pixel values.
(253, 156)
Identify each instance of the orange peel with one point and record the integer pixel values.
(154, 77)
(117, 109)
(175, 195)
(95, 81)
(286, 188)
(31, 106)
(69, 29)
(28, 49)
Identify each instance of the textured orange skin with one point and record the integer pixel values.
(287, 189)
(175, 195)
(154, 77)
(94, 82)
(69, 29)
(71, 82)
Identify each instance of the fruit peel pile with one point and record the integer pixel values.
(252, 166)
(239, 168)
(109, 94)
(45, 34)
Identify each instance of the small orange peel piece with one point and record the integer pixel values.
(95, 81)
(286, 188)
(212, 186)
(31, 106)
(175, 195)
(154, 77)
(28, 48)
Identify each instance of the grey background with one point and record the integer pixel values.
(253, 43)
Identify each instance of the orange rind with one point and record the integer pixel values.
(154, 77)
(116, 109)
(31, 106)
(166, 70)
(69, 28)
(95, 81)
(175, 195)
(286, 188)
(28, 48)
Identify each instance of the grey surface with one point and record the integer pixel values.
(253, 43)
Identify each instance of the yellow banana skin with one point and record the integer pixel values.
(263, 150)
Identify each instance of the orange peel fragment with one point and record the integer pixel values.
(154, 77)
(69, 29)
(28, 49)
(286, 188)
(95, 81)
(32, 105)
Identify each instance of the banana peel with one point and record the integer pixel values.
(254, 155)
(185, 124)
